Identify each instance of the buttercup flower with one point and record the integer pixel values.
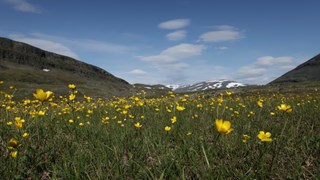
(72, 86)
(72, 97)
(138, 125)
(180, 108)
(25, 135)
(173, 119)
(13, 143)
(223, 127)
(14, 154)
(245, 138)
(260, 103)
(167, 128)
(43, 96)
(285, 108)
(18, 122)
(264, 137)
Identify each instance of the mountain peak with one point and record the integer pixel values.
(307, 71)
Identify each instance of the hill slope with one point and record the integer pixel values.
(28, 67)
(307, 71)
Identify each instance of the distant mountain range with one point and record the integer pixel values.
(305, 72)
(205, 85)
(200, 86)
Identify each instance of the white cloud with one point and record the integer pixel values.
(45, 45)
(170, 64)
(252, 71)
(265, 69)
(138, 72)
(87, 45)
(174, 24)
(223, 33)
(175, 53)
(176, 35)
(23, 5)
(269, 60)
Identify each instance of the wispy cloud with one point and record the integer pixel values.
(138, 72)
(177, 35)
(175, 53)
(221, 34)
(23, 5)
(45, 44)
(83, 45)
(171, 63)
(174, 24)
(265, 69)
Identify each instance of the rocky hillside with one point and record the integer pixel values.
(305, 72)
(28, 67)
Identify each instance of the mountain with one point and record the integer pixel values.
(205, 85)
(27, 67)
(305, 72)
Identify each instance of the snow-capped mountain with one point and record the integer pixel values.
(201, 86)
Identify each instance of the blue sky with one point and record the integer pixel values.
(172, 41)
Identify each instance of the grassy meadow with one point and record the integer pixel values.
(176, 136)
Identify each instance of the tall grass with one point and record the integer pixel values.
(98, 139)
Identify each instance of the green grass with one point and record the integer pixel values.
(59, 149)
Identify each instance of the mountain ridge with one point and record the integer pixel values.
(307, 71)
(205, 85)
(29, 67)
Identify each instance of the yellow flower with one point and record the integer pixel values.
(9, 123)
(72, 97)
(81, 124)
(13, 143)
(43, 96)
(14, 154)
(18, 122)
(41, 113)
(223, 127)
(138, 125)
(71, 121)
(264, 137)
(245, 138)
(72, 86)
(25, 135)
(285, 108)
(173, 119)
(180, 108)
(189, 133)
(105, 120)
(1, 82)
(260, 103)
(229, 93)
(167, 128)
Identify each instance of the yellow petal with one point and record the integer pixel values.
(268, 134)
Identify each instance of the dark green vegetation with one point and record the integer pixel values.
(23, 66)
(99, 140)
